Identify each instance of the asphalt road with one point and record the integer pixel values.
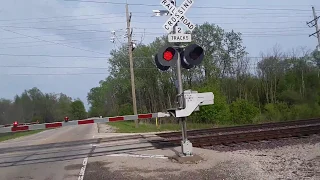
(60, 153)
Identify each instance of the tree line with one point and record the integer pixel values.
(278, 86)
(275, 86)
(35, 106)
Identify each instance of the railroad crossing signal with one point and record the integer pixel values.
(167, 56)
(193, 54)
(177, 14)
(66, 119)
(15, 124)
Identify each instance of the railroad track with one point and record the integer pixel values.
(244, 128)
(239, 134)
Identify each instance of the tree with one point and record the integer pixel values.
(243, 112)
(78, 110)
(33, 105)
(242, 87)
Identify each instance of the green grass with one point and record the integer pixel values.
(129, 127)
(13, 135)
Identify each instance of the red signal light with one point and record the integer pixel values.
(167, 55)
(66, 118)
(15, 123)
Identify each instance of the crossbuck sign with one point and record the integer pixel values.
(177, 15)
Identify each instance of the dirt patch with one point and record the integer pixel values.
(225, 170)
(100, 170)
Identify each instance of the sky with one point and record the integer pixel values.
(64, 45)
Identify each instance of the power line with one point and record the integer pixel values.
(53, 56)
(97, 57)
(300, 27)
(246, 35)
(53, 74)
(251, 22)
(51, 67)
(61, 20)
(65, 40)
(112, 15)
(104, 31)
(60, 34)
(199, 7)
(52, 42)
(247, 67)
(242, 32)
(93, 40)
(58, 29)
(75, 25)
(144, 22)
(144, 32)
(58, 17)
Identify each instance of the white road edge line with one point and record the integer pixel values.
(83, 168)
(138, 156)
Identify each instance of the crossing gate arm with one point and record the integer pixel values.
(192, 101)
(131, 117)
(82, 122)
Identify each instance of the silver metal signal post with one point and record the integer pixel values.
(186, 145)
(177, 14)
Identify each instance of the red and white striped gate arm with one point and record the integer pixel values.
(81, 122)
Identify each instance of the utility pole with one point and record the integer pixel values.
(314, 23)
(133, 89)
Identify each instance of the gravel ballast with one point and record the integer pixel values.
(293, 159)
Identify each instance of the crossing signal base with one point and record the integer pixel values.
(179, 37)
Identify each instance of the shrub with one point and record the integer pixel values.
(243, 112)
(218, 113)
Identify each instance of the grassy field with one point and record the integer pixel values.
(129, 127)
(7, 136)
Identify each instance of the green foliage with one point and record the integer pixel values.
(281, 86)
(281, 111)
(302, 111)
(7, 136)
(243, 93)
(218, 113)
(78, 110)
(125, 109)
(37, 119)
(291, 97)
(33, 105)
(243, 112)
(276, 112)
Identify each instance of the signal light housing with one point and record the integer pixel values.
(167, 56)
(66, 119)
(183, 63)
(162, 68)
(193, 55)
(15, 124)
